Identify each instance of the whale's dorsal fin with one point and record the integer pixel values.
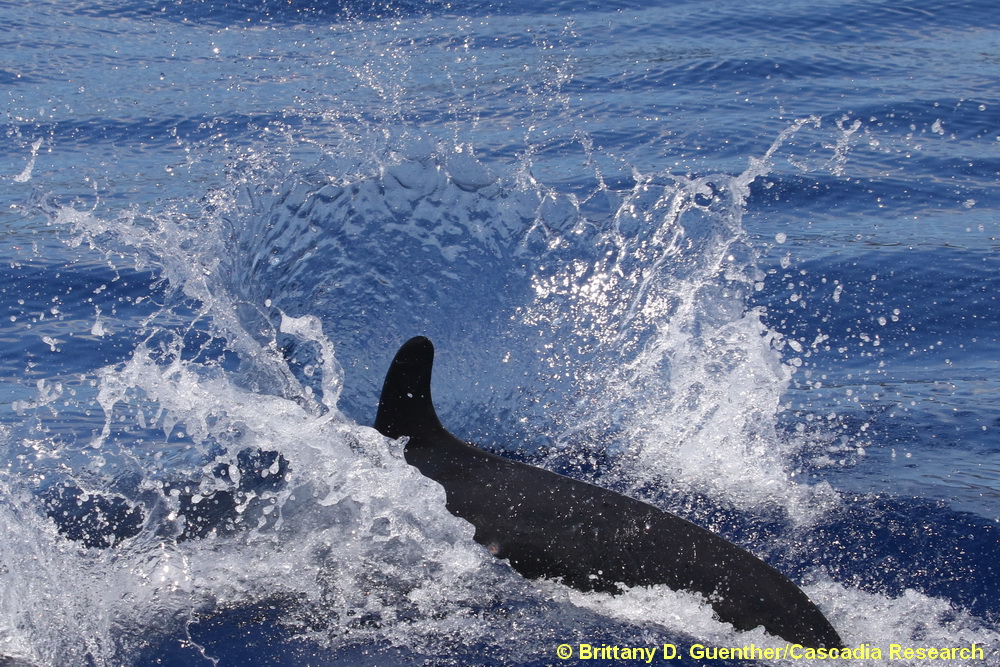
(405, 407)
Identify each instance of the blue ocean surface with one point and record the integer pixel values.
(737, 259)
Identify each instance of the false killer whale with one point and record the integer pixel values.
(593, 539)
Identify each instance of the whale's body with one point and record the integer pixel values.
(593, 539)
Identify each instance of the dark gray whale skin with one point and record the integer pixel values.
(593, 539)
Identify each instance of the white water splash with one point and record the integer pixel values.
(25, 174)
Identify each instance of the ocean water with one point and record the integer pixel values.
(737, 259)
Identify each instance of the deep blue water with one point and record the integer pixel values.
(737, 259)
